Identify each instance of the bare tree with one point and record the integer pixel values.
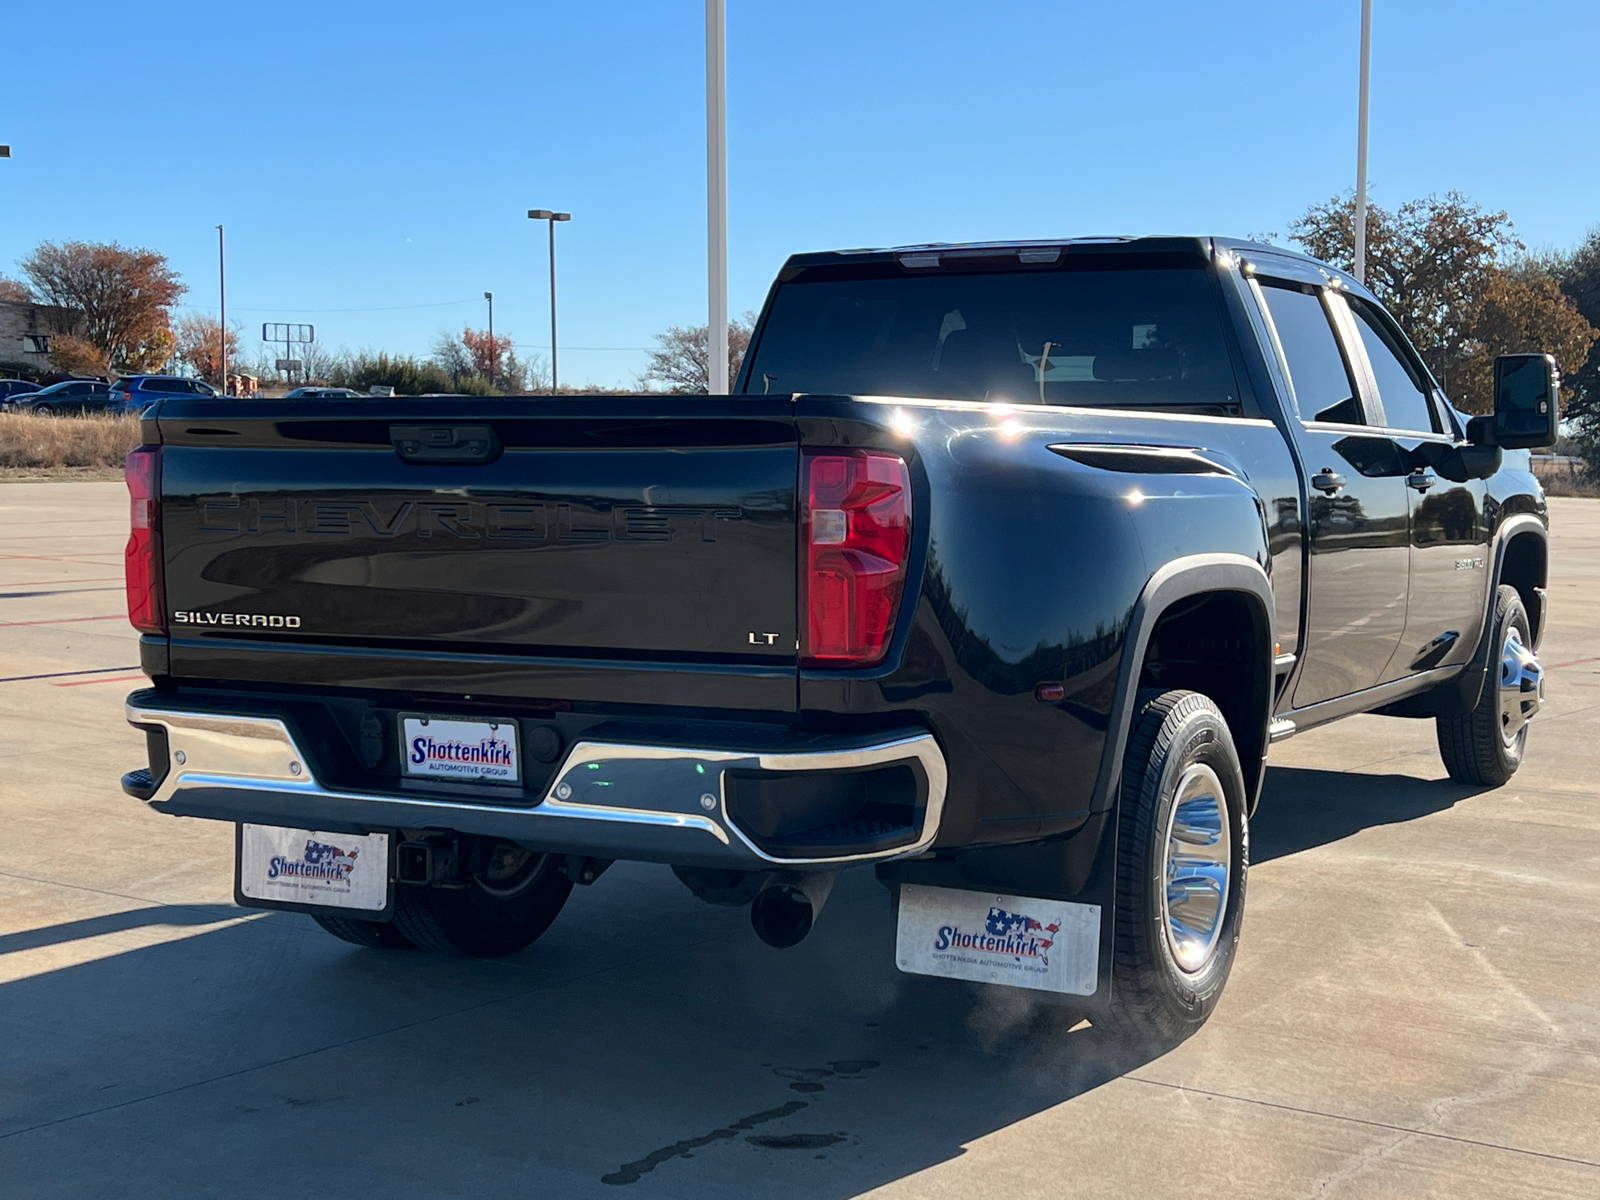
(317, 362)
(476, 363)
(681, 361)
(453, 358)
(11, 289)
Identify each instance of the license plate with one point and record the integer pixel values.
(469, 751)
(1047, 945)
(308, 866)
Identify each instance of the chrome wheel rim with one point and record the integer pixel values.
(1195, 873)
(1521, 686)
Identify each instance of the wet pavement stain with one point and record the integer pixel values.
(805, 1079)
(634, 1171)
(797, 1141)
(808, 1079)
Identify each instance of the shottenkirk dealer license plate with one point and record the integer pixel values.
(1050, 945)
(307, 866)
(470, 751)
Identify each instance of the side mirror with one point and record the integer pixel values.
(1527, 407)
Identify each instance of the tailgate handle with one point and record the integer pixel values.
(445, 443)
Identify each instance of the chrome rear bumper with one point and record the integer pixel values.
(612, 800)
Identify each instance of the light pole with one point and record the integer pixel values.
(716, 197)
(544, 214)
(489, 296)
(1361, 143)
(222, 295)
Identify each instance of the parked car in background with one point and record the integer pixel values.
(12, 388)
(70, 396)
(135, 393)
(322, 393)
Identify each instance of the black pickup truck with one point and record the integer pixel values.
(1000, 572)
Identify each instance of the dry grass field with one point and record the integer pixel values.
(89, 447)
(1565, 476)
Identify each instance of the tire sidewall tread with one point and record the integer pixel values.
(1152, 998)
(1470, 743)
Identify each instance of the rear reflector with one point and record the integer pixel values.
(857, 527)
(143, 557)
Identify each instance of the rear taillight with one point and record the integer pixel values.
(143, 473)
(857, 533)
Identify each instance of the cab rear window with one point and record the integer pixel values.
(1127, 336)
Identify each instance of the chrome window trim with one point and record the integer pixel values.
(1355, 358)
(1432, 391)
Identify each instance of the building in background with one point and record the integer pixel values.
(26, 331)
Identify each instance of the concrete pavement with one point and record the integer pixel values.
(1415, 1012)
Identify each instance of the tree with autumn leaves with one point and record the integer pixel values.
(125, 298)
(1462, 287)
(197, 343)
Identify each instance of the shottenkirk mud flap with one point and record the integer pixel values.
(1048, 945)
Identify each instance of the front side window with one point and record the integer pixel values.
(1322, 386)
(1402, 389)
(1102, 333)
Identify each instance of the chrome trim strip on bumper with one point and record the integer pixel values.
(641, 800)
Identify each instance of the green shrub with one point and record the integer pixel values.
(408, 376)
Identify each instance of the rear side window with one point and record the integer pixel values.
(1323, 390)
(1125, 335)
(1402, 389)
(154, 385)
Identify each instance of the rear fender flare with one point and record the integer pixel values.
(1179, 579)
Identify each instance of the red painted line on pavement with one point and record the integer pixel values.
(113, 679)
(64, 620)
(59, 674)
(42, 582)
(75, 559)
(1575, 662)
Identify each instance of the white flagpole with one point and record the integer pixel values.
(717, 196)
(1361, 142)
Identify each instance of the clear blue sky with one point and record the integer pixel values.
(371, 157)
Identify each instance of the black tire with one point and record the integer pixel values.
(1178, 738)
(504, 907)
(1473, 744)
(375, 935)
(43, 410)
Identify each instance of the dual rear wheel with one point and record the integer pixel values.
(1485, 745)
(509, 899)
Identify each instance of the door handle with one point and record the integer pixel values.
(1422, 479)
(1328, 480)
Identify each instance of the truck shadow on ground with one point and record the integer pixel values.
(1302, 807)
(648, 1043)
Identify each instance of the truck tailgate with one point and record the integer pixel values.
(660, 528)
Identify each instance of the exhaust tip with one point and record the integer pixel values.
(787, 906)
